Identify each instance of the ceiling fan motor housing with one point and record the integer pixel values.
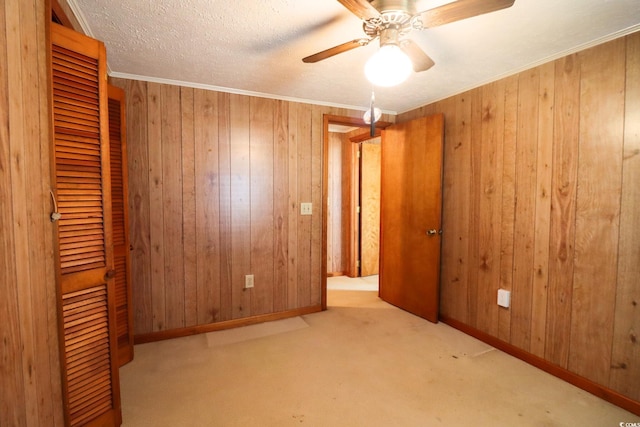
(395, 20)
(406, 6)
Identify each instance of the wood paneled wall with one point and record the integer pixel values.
(338, 202)
(215, 186)
(30, 389)
(541, 197)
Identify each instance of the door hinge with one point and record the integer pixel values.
(358, 263)
(358, 155)
(357, 209)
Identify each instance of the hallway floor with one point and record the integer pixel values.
(360, 363)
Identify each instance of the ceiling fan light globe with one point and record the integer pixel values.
(366, 117)
(390, 66)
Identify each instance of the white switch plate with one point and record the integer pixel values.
(248, 281)
(306, 208)
(504, 298)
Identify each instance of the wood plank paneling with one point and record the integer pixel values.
(12, 384)
(30, 372)
(335, 254)
(490, 205)
(216, 181)
(172, 206)
(526, 162)
(240, 203)
(292, 259)
(543, 209)
(569, 213)
(139, 202)
(475, 193)
(508, 200)
(597, 209)
(370, 206)
(317, 142)
(156, 206)
(626, 335)
(280, 205)
(304, 195)
(261, 203)
(455, 223)
(189, 207)
(207, 206)
(563, 195)
(226, 233)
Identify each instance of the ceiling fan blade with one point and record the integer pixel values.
(361, 8)
(344, 47)
(419, 59)
(461, 9)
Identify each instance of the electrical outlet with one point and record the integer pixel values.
(248, 281)
(306, 208)
(504, 298)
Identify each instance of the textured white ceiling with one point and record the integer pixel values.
(256, 47)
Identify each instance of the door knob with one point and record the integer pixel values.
(433, 232)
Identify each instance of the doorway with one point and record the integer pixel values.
(353, 204)
(410, 212)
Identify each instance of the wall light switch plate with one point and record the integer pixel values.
(306, 208)
(504, 298)
(248, 281)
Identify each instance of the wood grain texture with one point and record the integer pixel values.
(475, 193)
(20, 125)
(625, 355)
(304, 195)
(524, 228)
(239, 168)
(261, 204)
(490, 205)
(544, 162)
(597, 209)
(292, 208)
(12, 384)
(280, 205)
(411, 204)
(224, 169)
(189, 241)
(207, 202)
(455, 224)
(239, 111)
(139, 201)
(172, 206)
(370, 207)
(29, 374)
(563, 196)
(335, 205)
(317, 255)
(508, 200)
(569, 204)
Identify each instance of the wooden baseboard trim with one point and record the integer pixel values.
(219, 326)
(585, 384)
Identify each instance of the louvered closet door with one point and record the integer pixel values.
(85, 247)
(119, 213)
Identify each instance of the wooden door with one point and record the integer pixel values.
(411, 215)
(120, 224)
(370, 207)
(84, 247)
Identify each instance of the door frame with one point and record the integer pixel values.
(328, 119)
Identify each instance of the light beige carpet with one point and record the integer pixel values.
(361, 363)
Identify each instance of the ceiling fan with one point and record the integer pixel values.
(391, 21)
